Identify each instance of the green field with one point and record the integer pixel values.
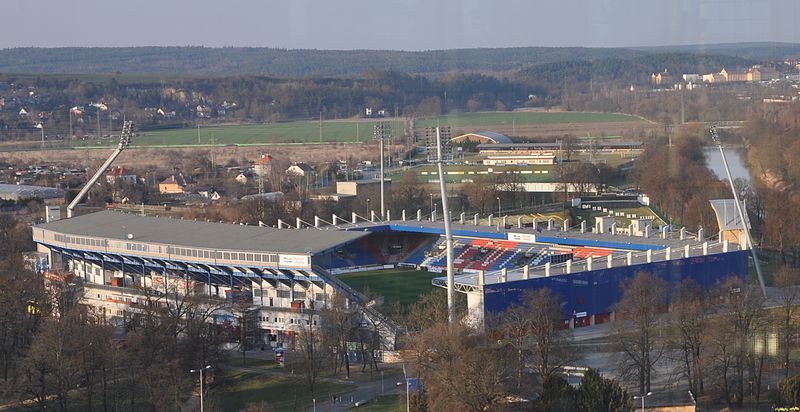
(340, 131)
(481, 119)
(238, 389)
(399, 285)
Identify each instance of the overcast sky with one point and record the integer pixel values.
(398, 24)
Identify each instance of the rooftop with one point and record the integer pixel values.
(221, 236)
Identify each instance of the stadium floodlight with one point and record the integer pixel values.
(448, 234)
(748, 238)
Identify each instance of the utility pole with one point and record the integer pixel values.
(198, 132)
(320, 126)
(451, 289)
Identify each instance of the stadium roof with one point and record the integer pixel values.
(221, 236)
(493, 137)
(24, 192)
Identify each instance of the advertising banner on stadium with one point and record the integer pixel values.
(295, 261)
(522, 237)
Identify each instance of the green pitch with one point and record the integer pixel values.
(290, 132)
(522, 118)
(401, 285)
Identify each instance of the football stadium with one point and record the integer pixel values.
(287, 274)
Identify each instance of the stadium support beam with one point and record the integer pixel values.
(419, 215)
(519, 222)
(476, 219)
(403, 215)
(701, 234)
(333, 218)
(747, 235)
(451, 288)
(490, 220)
(461, 218)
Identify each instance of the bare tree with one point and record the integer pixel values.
(312, 350)
(788, 279)
(687, 333)
(635, 334)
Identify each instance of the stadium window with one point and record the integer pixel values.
(206, 254)
(258, 257)
(318, 297)
(227, 256)
(283, 294)
(300, 295)
(249, 257)
(194, 252)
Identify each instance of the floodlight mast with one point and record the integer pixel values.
(124, 141)
(448, 234)
(748, 237)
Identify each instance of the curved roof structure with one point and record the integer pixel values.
(483, 137)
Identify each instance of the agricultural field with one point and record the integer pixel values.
(298, 132)
(541, 124)
(399, 285)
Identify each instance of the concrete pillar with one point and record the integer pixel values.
(547, 269)
(534, 223)
(705, 248)
(299, 223)
(724, 246)
(316, 221)
(505, 221)
(419, 215)
(280, 224)
(433, 216)
(649, 255)
(583, 226)
(630, 258)
(683, 233)
(701, 234)
(333, 219)
(613, 228)
(526, 272)
(476, 219)
(668, 253)
(490, 219)
(610, 261)
(388, 215)
(565, 225)
(503, 275)
(549, 224)
(481, 278)
(589, 263)
(354, 218)
(663, 232)
(403, 215)
(630, 230)
(686, 251)
(461, 218)
(569, 266)
(647, 231)
(519, 222)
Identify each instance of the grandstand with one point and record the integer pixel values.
(285, 274)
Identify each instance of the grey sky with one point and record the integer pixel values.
(398, 24)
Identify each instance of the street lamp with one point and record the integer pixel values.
(40, 126)
(200, 371)
(368, 209)
(431, 195)
(642, 397)
(498, 207)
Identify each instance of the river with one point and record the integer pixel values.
(735, 161)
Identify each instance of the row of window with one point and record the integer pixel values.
(241, 256)
(80, 240)
(271, 258)
(283, 320)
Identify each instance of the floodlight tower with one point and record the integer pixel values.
(748, 237)
(381, 131)
(448, 234)
(124, 141)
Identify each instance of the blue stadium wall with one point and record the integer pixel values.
(596, 292)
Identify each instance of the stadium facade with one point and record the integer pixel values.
(286, 275)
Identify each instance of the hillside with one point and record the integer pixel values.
(280, 62)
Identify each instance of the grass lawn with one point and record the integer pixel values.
(237, 389)
(401, 285)
(236, 360)
(521, 118)
(388, 403)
